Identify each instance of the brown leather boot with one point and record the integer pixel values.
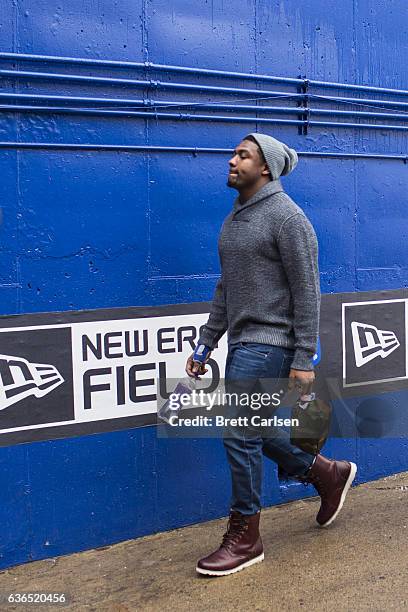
(332, 480)
(241, 547)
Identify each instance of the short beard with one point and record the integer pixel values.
(232, 184)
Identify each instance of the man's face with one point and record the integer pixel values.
(246, 166)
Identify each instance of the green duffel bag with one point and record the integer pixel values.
(313, 416)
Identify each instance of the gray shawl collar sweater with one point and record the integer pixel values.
(269, 290)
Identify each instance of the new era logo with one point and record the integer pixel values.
(19, 379)
(370, 342)
(374, 342)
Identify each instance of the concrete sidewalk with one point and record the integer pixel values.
(359, 563)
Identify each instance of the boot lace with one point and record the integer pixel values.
(237, 526)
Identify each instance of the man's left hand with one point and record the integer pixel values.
(302, 379)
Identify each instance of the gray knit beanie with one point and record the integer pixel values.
(280, 158)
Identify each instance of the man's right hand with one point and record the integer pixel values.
(195, 369)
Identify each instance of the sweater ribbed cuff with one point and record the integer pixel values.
(303, 360)
(207, 338)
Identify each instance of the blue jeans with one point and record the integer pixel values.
(247, 363)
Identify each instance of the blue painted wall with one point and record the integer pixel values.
(93, 229)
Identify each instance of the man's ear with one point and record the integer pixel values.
(265, 170)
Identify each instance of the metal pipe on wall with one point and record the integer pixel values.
(202, 71)
(209, 118)
(154, 84)
(177, 149)
(130, 112)
(150, 104)
(208, 106)
(124, 113)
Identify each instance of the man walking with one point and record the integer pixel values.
(268, 298)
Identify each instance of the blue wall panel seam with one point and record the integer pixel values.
(28, 505)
